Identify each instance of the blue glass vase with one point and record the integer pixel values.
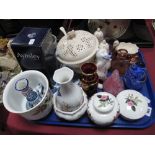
(135, 77)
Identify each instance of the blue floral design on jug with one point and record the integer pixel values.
(33, 96)
(135, 77)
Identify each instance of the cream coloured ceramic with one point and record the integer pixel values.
(133, 105)
(70, 95)
(103, 60)
(74, 115)
(99, 35)
(103, 108)
(15, 102)
(76, 48)
(115, 44)
(130, 47)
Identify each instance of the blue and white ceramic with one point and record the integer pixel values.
(28, 95)
(33, 96)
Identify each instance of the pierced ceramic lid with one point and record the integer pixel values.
(103, 108)
(76, 47)
(131, 48)
(133, 105)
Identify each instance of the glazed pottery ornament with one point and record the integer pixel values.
(103, 62)
(133, 105)
(104, 46)
(113, 84)
(70, 102)
(103, 108)
(99, 35)
(135, 77)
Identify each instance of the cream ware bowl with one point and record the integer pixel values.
(103, 108)
(130, 47)
(133, 105)
(15, 102)
(75, 48)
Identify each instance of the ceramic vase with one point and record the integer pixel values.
(70, 95)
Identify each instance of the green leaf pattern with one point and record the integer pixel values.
(132, 101)
(104, 102)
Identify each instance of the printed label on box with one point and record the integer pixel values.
(31, 42)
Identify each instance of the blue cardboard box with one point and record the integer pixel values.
(34, 49)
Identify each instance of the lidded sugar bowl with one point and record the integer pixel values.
(103, 108)
(76, 47)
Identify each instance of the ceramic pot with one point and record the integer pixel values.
(103, 108)
(33, 103)
(70, 95)
(89, 79)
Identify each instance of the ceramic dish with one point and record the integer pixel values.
(111, 28)
(133, 105)
(74, 115)
(130, 47)
(103, 108)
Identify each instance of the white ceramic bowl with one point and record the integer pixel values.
(74, 115)
(15, 102)
(133, 105)
(103, 111)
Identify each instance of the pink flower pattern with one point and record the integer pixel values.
(130, 103)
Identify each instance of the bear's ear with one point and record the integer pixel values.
(99, 96)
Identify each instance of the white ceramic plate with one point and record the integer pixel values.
(133, 105)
